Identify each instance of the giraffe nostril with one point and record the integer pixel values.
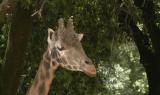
(87, 62)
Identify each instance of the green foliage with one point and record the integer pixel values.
(124, 73)
(3, 40)
(117, 60)
(97, 20)
(25, 3)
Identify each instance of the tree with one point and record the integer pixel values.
(19, 34)
(147, 41)
(107, 25)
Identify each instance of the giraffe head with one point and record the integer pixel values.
(66, 49)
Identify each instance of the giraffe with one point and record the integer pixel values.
(64, 50)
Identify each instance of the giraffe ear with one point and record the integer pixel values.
(51, 36)
(80, 37)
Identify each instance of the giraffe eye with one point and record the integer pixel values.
(61, 48)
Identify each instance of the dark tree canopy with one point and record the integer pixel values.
(120, 36)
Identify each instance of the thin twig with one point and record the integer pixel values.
(39, 12)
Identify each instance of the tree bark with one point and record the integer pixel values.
(148, 59)
(149, 19)
(19, 35)
(153, 65)
(148, 45)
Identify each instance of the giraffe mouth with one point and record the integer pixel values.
(90, 70)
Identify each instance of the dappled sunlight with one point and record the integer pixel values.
(125, 76)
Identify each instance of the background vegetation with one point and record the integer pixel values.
(120, 36)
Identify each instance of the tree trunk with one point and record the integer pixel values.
(19, 34)
(153, 75)
(148, 59)
(148, 45)
(152, 66)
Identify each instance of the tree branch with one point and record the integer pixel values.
(142, 42)
(149, 19)
(39, 11)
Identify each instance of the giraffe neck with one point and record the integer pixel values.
(44, 76)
